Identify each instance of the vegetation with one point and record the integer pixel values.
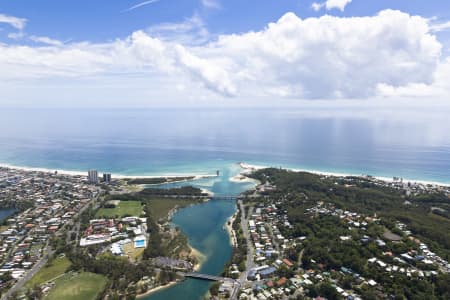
(365, 197)
(185, 191)
(346, 261)
(50, 271)
(123, 209)
(86, 286)
(158, 180)
(160, 207)
(239, 255)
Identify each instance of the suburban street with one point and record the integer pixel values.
(20, 283)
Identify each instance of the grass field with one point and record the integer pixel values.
(125, 208)
(81, 286)
(161, 206)
(57, 267)
(135, 254)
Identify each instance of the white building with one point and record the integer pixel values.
(93, 176)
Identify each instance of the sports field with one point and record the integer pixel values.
(79, 286)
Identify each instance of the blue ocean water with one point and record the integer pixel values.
(173, 141)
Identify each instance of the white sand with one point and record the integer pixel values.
(120, 176)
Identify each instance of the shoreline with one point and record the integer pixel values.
(118, 176)
(155, 289)
(230, 230)
(199, 256)
(241, 177)
(248, 168)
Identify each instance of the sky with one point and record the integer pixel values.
(123, 53)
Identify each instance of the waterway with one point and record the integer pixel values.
(203, 224)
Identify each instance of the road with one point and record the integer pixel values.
(28, 275)
(47, 252)
(249, 264)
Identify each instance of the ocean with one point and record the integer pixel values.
(184, 141)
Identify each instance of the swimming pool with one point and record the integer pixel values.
(139, 243)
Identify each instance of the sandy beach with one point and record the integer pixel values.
(200, 258)
(250, 168)
(158, 288)
(241, 178)
(229, 228)
(119, 176)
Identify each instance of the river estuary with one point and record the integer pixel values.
(203, 224)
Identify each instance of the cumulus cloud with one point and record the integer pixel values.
(210, 72)
(18, 23)
(326, 57)
(331, 57)
(438, 88)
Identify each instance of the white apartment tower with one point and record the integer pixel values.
(93, 176)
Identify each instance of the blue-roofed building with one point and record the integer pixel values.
(267, 272)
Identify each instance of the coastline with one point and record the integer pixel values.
(241, 177)
(118, 176)
(248, 168)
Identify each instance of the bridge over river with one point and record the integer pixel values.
(207, 277)
(226, 197)
(236, 285)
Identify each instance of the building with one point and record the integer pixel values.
(107, 177)
(93, 176)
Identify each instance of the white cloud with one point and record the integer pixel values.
(208, 71)
(317, 6)
(439, 87)
(45, 40)
(332, 57)
(16, 35)
(338, 4)
(18, 23)
(327, 57)
(437, 27)
(192, 31)
(331, 4)
(144, 3)
(211, 3)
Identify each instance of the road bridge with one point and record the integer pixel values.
(207, 277)
(226, 197)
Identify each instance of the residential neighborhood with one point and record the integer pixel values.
(53, 200)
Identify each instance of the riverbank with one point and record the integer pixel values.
(200, 257)
(229, 228)
(200, 260)
(248, 168)
(155, 289)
